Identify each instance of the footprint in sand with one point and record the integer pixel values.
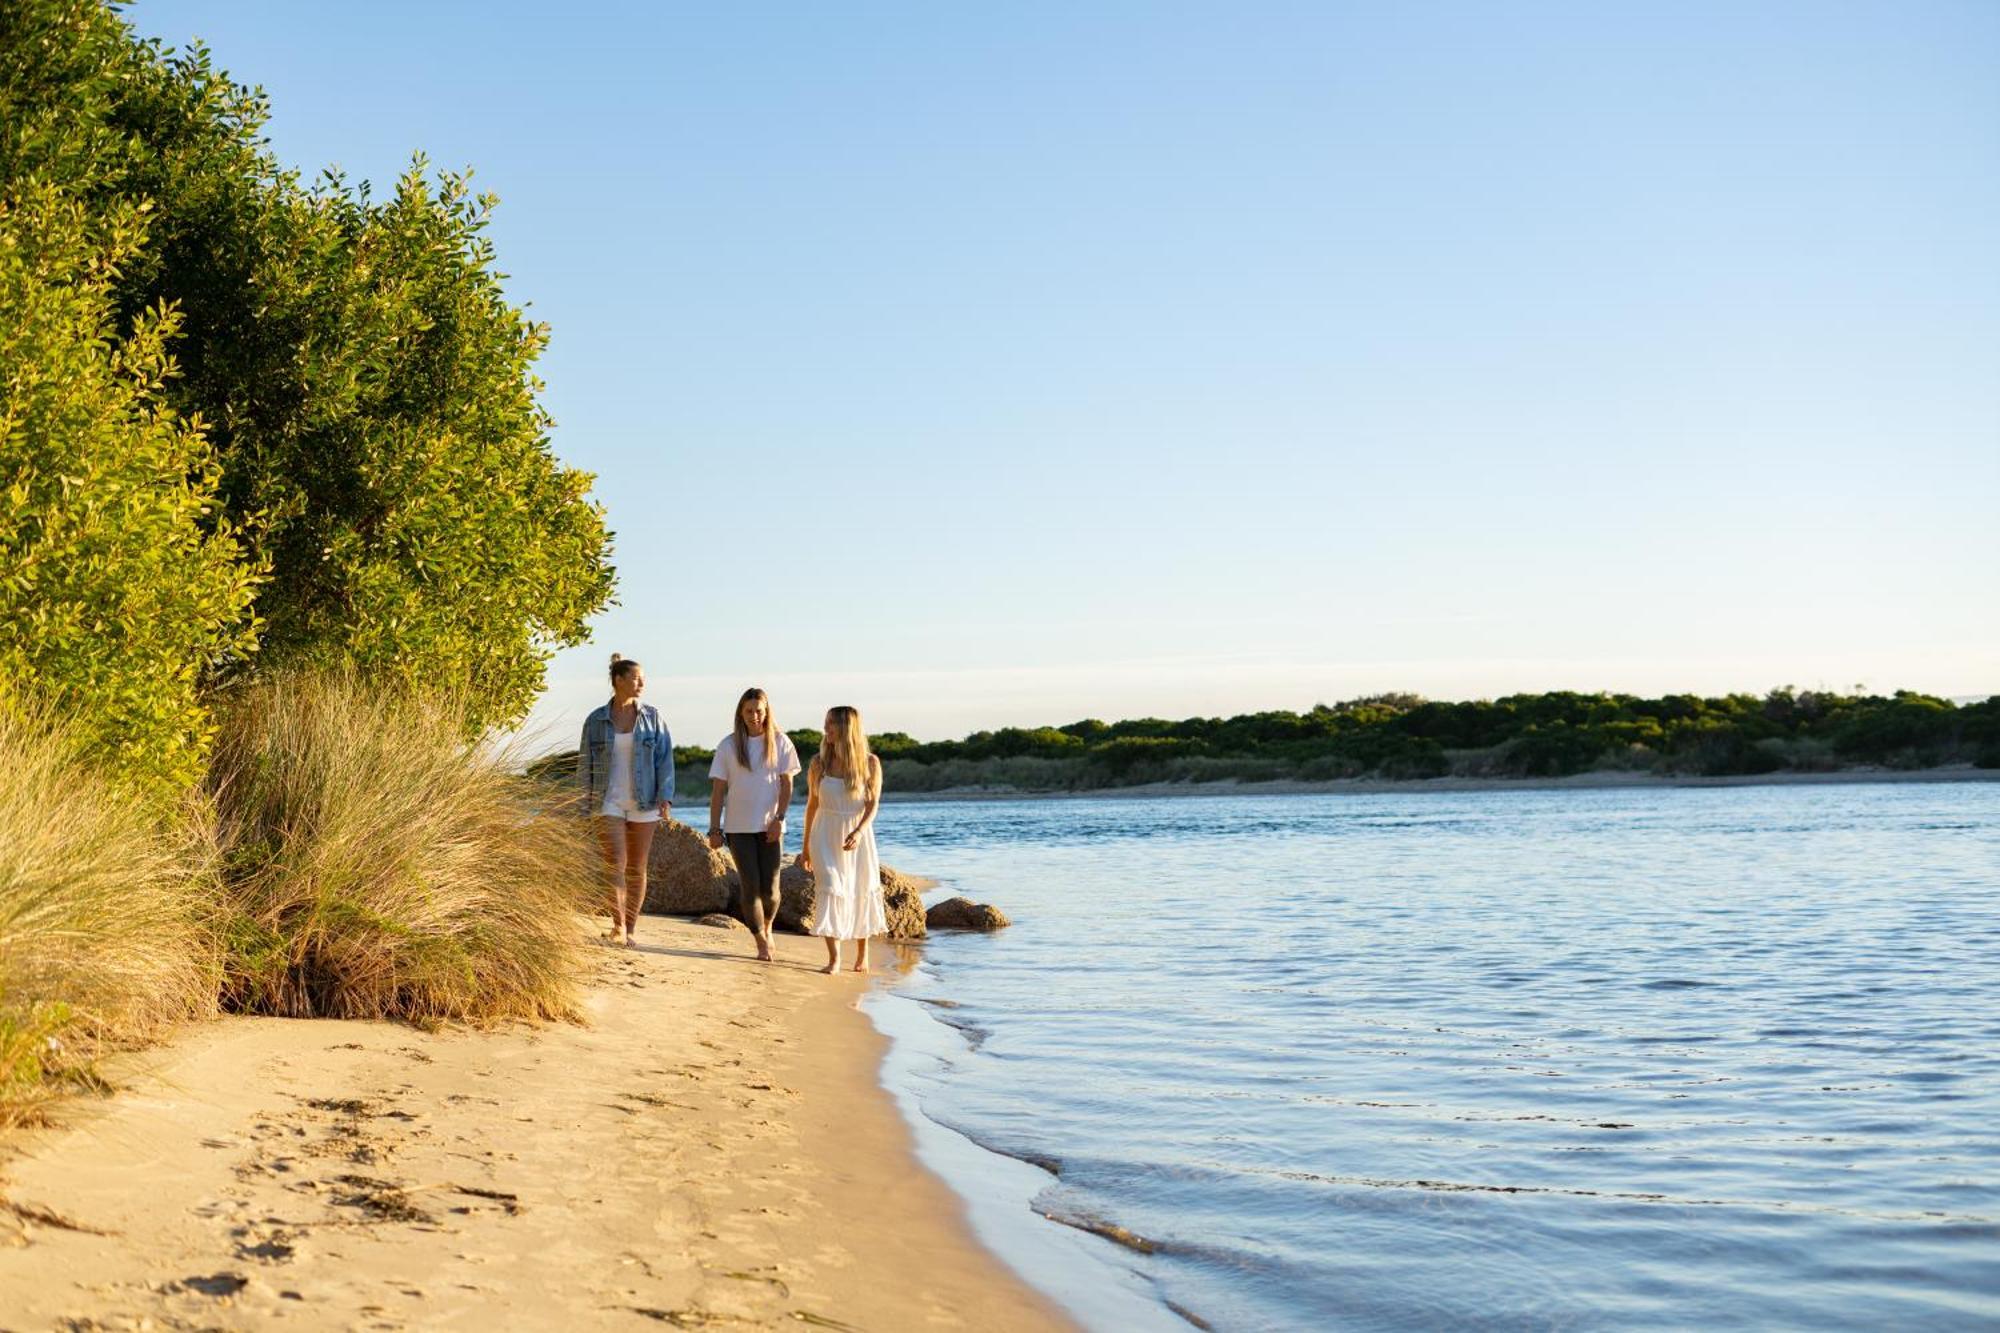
(273, 1249)
(215, 1284)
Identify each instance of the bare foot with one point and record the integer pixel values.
(859, 967)
(631, 941)
(830, 969)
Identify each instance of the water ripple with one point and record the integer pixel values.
(1633, 1059)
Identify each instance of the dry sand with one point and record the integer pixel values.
(712, 1151)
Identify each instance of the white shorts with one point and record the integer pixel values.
(630, 811)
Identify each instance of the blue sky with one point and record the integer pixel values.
(1018, 363)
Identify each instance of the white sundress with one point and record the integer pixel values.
(847, 885)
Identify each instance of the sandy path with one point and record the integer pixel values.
(712, 1151)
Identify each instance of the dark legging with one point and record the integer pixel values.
(757, 868)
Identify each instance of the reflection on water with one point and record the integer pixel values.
(1666, 1058)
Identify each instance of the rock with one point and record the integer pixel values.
(797, 897)
(905, 901)
(722, 921)
(965, 914)
(684, 877)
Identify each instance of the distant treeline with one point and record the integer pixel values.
(1401, 736)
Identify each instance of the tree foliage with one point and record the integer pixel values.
(118, 589)
(373, 403)
(243, 412)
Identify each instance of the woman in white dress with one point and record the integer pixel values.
(843, 788)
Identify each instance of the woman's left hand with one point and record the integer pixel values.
(848, 846)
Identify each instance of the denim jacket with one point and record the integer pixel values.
(652, 758)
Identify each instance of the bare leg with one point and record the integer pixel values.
(611, 833)
(861, 954)
(832, 956)
(638, 843)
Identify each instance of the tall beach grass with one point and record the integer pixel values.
(374, 864)
(102, 897)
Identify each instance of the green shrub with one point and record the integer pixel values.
(1907, 732)
(218, 384)
(1552, 751)
(1418, 759)
(100, 945)
(375, 865)
(373, 400)
(117, 585)
(1724, 751)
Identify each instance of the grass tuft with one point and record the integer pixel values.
(100, 900)
(376, 865)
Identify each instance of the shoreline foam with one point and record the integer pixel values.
(1086, 1274)
(715, 1147)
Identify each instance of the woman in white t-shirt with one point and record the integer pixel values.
(750, 788)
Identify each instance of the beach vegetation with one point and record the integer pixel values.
(371, 399)
(249, 418)
(121, 584)
(282, 537)
(373, 863)
(103, 900)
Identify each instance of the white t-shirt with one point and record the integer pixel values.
(752, 802)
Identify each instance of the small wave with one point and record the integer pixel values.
(1187, 1314)
(1098, 1226)
(1051, 1164)
(1679, 1201)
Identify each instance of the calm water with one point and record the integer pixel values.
(1717, 1058)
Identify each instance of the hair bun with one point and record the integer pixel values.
(616, 659)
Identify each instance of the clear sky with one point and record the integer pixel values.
(990, 364)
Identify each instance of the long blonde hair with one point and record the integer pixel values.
(743, 732)
(843, 750)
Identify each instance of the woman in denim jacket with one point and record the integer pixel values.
(626, 767)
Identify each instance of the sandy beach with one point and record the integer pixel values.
(712, 1149)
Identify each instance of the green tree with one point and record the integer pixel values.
(119, 590)
(372, 399)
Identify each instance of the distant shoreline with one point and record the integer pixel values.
(1609, 781)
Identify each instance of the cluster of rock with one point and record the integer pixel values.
(686, 877)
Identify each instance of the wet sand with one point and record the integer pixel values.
(713, 1150)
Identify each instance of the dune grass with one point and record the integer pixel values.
(101, 900)
(376, 865)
